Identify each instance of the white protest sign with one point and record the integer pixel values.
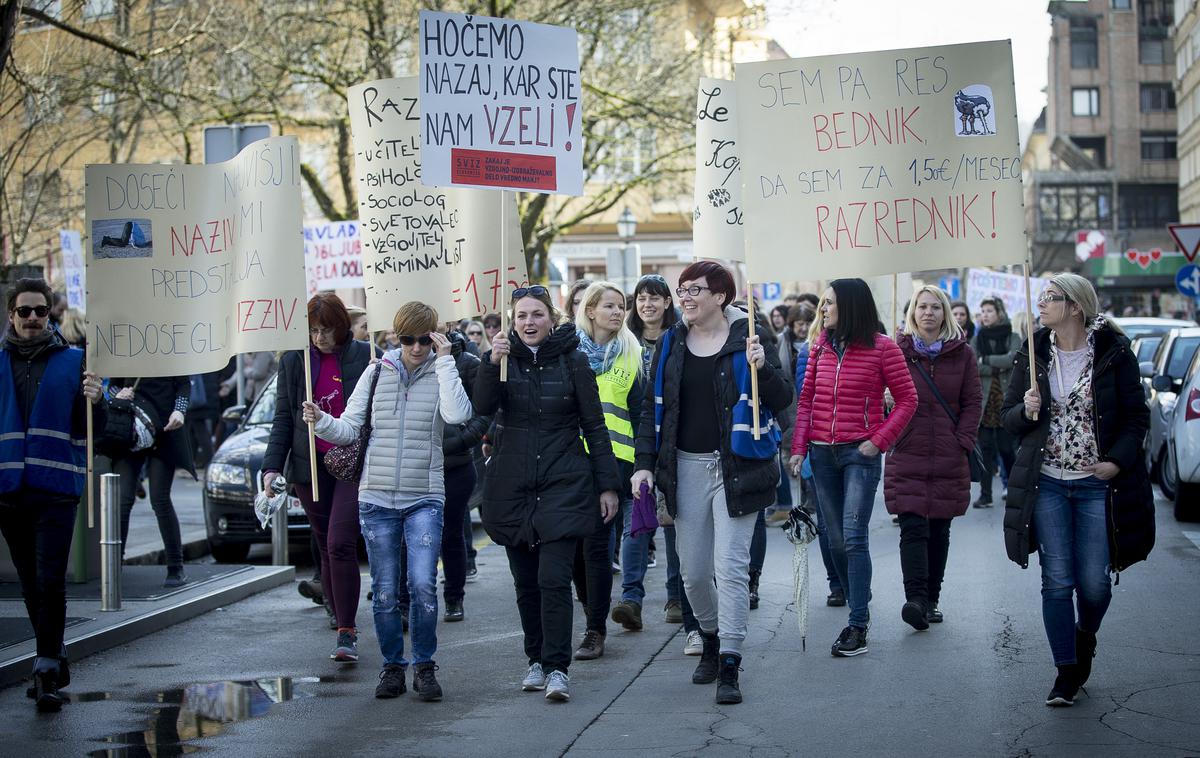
(438, 246)
(74, 271)
(332, 256)
(189, 265)
(1010, 288)
(880, 162)
(500, 104)
(717, 212)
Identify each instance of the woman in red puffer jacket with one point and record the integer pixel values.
(928, 477)
(840, 423)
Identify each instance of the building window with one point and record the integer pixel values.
(1158, 146)
(1156, 13)
(1092, 147)
(1148, 206)
(96, 9)
(52, 8)
(1121, 5)
(1085, 101)
(1158, 98)
(1084, 51)
(1072, 206)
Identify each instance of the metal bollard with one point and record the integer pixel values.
(279, 537)
(110, 542)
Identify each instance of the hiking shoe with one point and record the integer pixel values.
(391, 682)
(535, 678)
(915, 616)
(934, 614)
(673, 612)
(311, 589)
(835, 599)
(346, 650)
(982, 502)
(175, 578)
(728, 691)
(425, 684)
(1085, 651)
(557, 687)
(629, 615)
(706, 669)
(1066, 685)
(694, 644)
(852, 641)
(454, 611)
(592, 646)
(754, 575)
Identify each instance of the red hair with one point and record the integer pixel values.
(720, 281)
(327, 310)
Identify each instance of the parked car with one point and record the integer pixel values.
(230, 486)
(1140, 326)
(1145, 346)
(1182, 463)
(1171, 362)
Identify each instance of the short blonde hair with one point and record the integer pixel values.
(950, 329)
(414, 319)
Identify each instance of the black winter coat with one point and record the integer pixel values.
(161, 394)
(1121, 420)
(750, 484)
(287, 447)
(458, 440)
(541, 485)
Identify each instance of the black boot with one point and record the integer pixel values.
(1085, 651)
(1066, 684)
(706, 669)
(754, 575)
(45, 686)
(728, 692)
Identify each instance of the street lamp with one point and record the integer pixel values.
(624, 265)
(626, 225)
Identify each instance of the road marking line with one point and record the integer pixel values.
(1194, 537)
(489, 638)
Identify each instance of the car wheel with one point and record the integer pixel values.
(229, 552)
(1187, 502)
(1168, 476)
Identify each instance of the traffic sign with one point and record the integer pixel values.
(1187, 236)
(1187, 280)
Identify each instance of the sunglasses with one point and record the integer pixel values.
(474, 333)
(536, 290)
(408, 340)
(24, 311)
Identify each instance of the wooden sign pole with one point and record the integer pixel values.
(1029, 332)
(91, 454)
(504, 195)
(312, 437)
(753, 368)
(895, 307)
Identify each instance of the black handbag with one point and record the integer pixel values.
(974, 459)
(345, 462)
(117, 437)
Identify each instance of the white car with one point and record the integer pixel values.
(1182, 462)
(1166, 374)
(1140, 326)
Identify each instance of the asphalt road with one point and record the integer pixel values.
(973, 686)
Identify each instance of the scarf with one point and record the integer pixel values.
(993, 340)
(929, 351)
(600, 357)
(24, 347)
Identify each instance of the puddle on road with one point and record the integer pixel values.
(182, 716)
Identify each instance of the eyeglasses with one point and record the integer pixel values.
(1048, 298)
(536, 290)
(321, 331)
(408, 340)
(24, 311)
(474, 333)
(693, 290)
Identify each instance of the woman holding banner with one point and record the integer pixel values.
(1079, 492)
(927, 481)
(702, 454)
(841, 426)
(996, 346)
(543, 489)
(338, 362)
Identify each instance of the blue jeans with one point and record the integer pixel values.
(635, 554)
(1068, 520)
(846, 483)
(386, 531)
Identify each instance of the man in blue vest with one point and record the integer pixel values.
(44, 393)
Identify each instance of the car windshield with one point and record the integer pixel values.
(262, 413)
(1181, 355)
(1146, 348)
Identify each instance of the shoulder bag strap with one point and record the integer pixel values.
(371, 395)
(936, 393)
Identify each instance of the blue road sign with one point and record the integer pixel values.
(1187, 280)
(952, 285)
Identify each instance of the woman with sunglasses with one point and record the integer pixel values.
(338, 362)
(475, 332)
(543, 489)
(701, 453)
(1079, 492)
(412, 395)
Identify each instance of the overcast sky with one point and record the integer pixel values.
(828, 27)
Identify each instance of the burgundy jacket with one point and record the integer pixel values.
(842, 399)
(927, 472)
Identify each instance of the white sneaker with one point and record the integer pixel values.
(535, 679)
(694, 644)
(556, 686)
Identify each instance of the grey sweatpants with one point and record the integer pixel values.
(711, 544)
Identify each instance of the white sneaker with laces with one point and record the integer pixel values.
(556, 686)
(535, 679)
(694, 644)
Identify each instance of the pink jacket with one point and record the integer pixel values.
(842, 400)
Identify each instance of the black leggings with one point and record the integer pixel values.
(924, 546)
(162, 476)
(38, 527)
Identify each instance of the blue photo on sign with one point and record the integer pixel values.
(1187, 280)
(973, 106)
(122, 238)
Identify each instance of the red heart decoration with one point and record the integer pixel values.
(1156, 254)
(1143, 260)
(1131, 255)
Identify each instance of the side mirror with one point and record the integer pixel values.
(1146, 369)
(1162, 383)
(234, 414)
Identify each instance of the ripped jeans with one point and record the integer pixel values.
(386, 531)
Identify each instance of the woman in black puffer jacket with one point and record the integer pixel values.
(1079, 492)
(542, 490)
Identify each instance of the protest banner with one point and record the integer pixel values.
(439, 246)
(500, 104)
(332, 256)
(188, 265)
(1010, 288)
(74, 273)
(880, 162)
(717, 230)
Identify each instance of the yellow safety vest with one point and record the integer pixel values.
(614, 386)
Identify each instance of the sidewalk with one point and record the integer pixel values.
(145, 545)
